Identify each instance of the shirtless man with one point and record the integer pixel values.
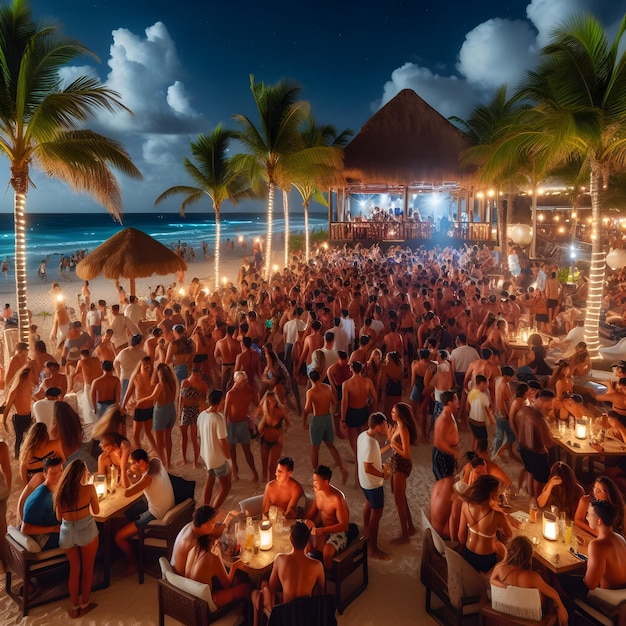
(141, 387)
(297, 574)
(236, 407)
(20, 397)
(606, 565)
(354, 395)
(18, 360)
(106, 350)
(105, 390)
(312, 342)
(393, 341)
(284, 491)
(52, 378)
(446, 437)
(489, 367)
(88, 368)
(331, 535)
(226, 351)
(180, 353)
(320, 403)
(248, 360)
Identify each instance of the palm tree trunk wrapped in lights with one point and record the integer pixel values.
(42, 124)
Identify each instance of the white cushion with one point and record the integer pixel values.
(439, 543)
(27, 542)
(517, 601)
(192, 587)
(463, 580)
(614, 597)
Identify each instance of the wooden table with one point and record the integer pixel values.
(111, 507)
(576, 451)
(555, 555)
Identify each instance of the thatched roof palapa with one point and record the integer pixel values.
(406, 141)
(130, 254)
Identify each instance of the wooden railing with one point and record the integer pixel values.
(403, 231)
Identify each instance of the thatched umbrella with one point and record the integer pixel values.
(130, 254)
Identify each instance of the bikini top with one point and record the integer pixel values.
(478, 532)
(41, 459)
(80, 508)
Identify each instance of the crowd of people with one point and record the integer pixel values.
(370, 346)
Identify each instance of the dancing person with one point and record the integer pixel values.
(21, 397)
(79, 534)
(193, 393)
(141, 385)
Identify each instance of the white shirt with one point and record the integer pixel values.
(134, 313)
(93, 318)
(347, 323)
(462, 356)
(292, 328)
(341, 339)
(43, 411)
(159, 493)
(212, 428)
(368, 451)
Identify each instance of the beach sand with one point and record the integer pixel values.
(394, 595)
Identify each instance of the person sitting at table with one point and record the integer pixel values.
(536, 358)
(562, 490)
(572, 404)
(115, 452)
(284, 491)
(606, 562)
(516, 570)
(603, 489)
(36, 448)
(617, 398)
(297, 574)
(157, 488)
(580, 363)
(479, 521)
(330, 536)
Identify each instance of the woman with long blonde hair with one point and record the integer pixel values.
(79, 533)
(20, 397)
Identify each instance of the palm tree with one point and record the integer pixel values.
(579, 91)
(214, 176)
(485, 125)
(280, 115)
(325, 174)
(41, 121)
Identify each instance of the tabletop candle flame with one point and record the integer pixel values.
(581, 428)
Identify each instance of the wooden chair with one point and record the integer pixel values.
(433, 571)
(191, 602)
(313, 611)
(465, 586)
(602, 606)
(515, 606)
(26, 560)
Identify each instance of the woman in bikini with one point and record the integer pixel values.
(193, 393)
(141, 387)
(516, 570)
(164, 415)
(79, 533)
(391, 381)
(480, 519)
(400, 439)
(37, 446)
(271, 432)
(115, 451)
(419, 367)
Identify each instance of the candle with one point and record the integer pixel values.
(581, 428)
(101, 486)
(267, 538)
(550, 526)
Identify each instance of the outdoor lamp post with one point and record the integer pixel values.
(616, 258)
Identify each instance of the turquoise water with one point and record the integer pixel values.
(50, 235)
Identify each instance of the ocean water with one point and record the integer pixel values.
(50, 235)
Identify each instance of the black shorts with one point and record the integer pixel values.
(537, 464)
(356, 418)
(541, 317)
(480, 432)
(143, 415)
(552, 304)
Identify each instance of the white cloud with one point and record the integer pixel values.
(496, 52)
(165, 150)
(146, 72)
(445, 93)
(69, 73)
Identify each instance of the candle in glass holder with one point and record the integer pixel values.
(550, 526)
(267, 539)
(101, 486)
(581, 428)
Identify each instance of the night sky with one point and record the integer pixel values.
(183, 67)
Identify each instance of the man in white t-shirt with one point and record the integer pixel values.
(291, 330)
(214, 449)
(157, 488)
(371, 478)
(43, 410)
(480, 411)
